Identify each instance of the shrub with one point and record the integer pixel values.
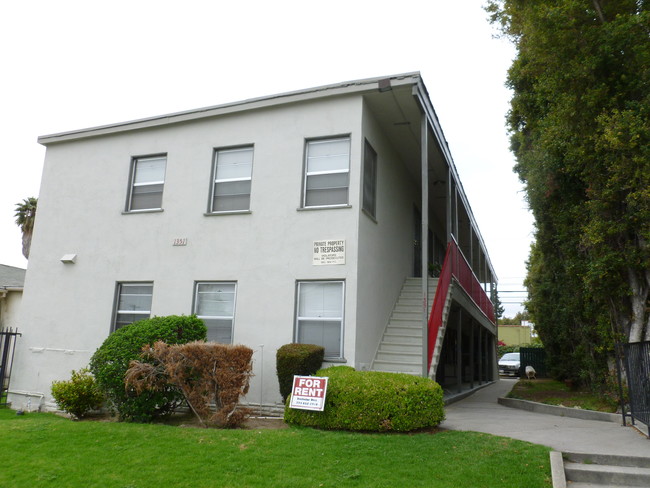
(206, 373)
(296, 359)
(79, 395)
(111, 361)
(374, 401)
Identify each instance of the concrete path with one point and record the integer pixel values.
(480, 412)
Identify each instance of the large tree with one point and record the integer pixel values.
(580, 131)
(25, 216)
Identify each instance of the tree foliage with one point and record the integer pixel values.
(25, 217)
(580, 131)
(207, 373)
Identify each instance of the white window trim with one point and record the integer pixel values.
(215, 181)
(222, 317)
(322, 319)
(133, 184)
(118, 293)
(316, 173)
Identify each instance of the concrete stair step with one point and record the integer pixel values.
(595, 485)
(607, 459)
(402, 357)
(398, 338)
(408, 315)
(397, 366)
(607, 475)
(412, 347)
(404, 332)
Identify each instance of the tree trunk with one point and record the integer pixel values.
(27, 243)
(639, 300)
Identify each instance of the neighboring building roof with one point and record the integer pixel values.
(11, 277)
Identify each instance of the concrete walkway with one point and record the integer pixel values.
(480, 412)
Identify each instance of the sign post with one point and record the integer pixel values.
(308, 393)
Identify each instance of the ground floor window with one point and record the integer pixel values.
(319, 315)
(133, 303)
(214, 303)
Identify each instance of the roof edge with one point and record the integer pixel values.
(346, 87)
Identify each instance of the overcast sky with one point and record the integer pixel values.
(74, 64)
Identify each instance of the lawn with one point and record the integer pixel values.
(554, 392)
(45, 450)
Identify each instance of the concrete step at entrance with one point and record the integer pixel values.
(584, 470)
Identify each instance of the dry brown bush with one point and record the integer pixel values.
(207, 373)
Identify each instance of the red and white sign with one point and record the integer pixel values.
(308, 393)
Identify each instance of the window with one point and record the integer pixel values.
(231, 189)
(327, 172)
(147, 181)
(319, 315)
(369, 180)
(133, 303)
(214, 303)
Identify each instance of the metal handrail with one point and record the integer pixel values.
(455, 265)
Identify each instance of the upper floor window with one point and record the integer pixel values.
(214, 303)
(133, 303)
(146, 185)
(369, 180)
(327, 172)
(231, 186)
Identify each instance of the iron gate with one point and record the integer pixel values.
(7, 346)
(535, 357)
(637, 362)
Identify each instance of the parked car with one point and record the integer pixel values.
(510, 364)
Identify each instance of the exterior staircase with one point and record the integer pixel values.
(580, 470)
(400, 349)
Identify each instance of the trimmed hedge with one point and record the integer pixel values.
(296, 359)
(111, 361)
(373, 401)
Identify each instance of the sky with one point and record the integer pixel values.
(69, 65)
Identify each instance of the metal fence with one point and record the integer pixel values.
(7, 346)
(637, 366)
(535, 357)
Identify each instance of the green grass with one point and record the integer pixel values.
(554, 392)
(44, 450)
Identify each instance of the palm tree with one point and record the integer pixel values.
(25, 215)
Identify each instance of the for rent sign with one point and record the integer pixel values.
(308, 393)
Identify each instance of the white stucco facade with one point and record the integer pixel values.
(68, 308)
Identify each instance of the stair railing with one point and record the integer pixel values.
(455, 265)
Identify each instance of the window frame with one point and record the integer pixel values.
(369, 173)
(118, 294)
(307, 174)
(341, 319)
(213, 179)
(132, 184)
(195, 304)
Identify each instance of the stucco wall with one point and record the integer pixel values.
(68, 307)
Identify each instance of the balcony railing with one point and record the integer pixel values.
(455, 265)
